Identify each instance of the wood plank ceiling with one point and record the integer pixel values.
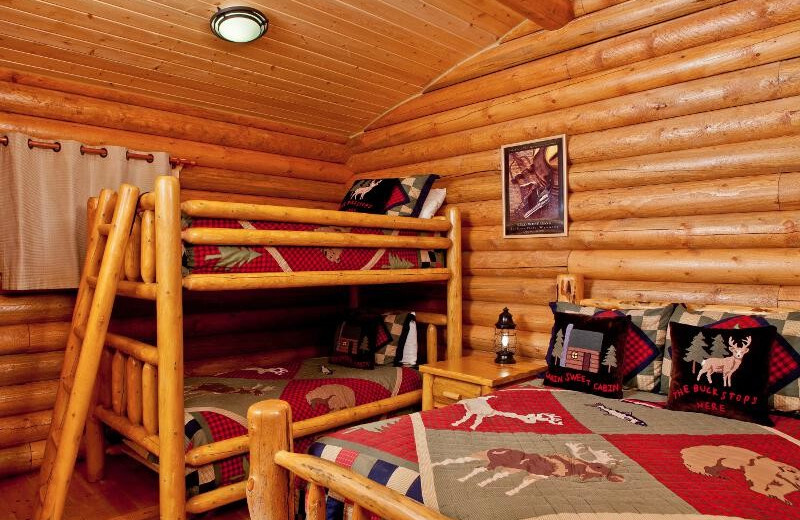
(333, 65)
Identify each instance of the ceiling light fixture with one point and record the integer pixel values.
(239, 24)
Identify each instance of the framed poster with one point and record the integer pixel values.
(535, 188)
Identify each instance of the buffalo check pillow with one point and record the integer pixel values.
(647, 336)
(784, 363)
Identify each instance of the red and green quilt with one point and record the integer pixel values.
(205, 259)
(528, 452)
(216, 407)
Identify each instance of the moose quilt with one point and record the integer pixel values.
(205, 259)
(529, 452)
(216, 407)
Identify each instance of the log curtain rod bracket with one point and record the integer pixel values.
(102, 152)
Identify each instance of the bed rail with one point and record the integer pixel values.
(269, 494)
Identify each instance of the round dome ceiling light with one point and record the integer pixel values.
(239, 24)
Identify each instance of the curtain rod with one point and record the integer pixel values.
(102, 152)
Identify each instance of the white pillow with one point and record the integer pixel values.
(433, 202)
(411, 346)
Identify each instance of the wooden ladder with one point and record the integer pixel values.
(102, 270)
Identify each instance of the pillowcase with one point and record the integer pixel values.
(784, 365)
(392, 334)
(403, 197)
(721, 372)
(356, 341)
(433, 202)
(644, 350)
(411, 346)
(586, 353)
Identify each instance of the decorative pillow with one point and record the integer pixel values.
(403, 197)
(644, 351)
(784, 366)
(356, 341)
(392, 333)
(722, 372)
(586, 353)
(433, 202)
(369, 195)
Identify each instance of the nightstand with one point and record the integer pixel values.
(451, 380)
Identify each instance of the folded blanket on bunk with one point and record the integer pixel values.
(204, 259)
(530, 452)
(216, 407)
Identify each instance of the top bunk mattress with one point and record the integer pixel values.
(215, 259)
(529, 452)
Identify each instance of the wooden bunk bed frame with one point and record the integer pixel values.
(273, 465)
(139, 391)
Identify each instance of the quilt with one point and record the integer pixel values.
(216, 407)
(528, 452)
(209, 259)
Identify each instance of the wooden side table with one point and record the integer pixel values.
(476, 374)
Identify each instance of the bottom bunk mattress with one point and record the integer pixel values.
(216, 407)
(528, 452)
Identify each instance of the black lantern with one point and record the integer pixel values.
(505, 338)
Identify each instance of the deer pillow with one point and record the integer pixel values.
(722, 372)
(401, 197)
(587, 352)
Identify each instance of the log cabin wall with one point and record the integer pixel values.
(238, 158)
(684, 150)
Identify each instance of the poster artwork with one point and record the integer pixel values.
(534, 188)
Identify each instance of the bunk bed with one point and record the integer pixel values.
(135, 249)
(587, 456)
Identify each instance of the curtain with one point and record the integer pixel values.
(43, 196)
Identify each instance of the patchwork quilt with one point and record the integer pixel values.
(529, 452)
(216, 407)
(205, 259)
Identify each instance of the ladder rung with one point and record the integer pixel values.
(141, 290)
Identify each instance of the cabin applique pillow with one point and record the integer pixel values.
(644, 350)
(723, 372)
(784, 365)
(357, 341)
(586, 353)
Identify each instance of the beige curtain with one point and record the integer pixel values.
(43, 197)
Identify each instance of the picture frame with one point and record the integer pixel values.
(535, 188)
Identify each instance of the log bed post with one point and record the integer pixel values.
(169, 312)
(569, 288)
(454, 285)
(269, 495)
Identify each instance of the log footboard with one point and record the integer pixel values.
(272, 464)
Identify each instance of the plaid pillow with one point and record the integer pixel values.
(408, 198)
(392, 334)
(644, 350)
(784, 366)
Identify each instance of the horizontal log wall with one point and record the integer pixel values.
(239, 158)
(684, 150)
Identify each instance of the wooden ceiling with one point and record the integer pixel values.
(333, 65)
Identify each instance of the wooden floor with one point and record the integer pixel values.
(129, 492)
